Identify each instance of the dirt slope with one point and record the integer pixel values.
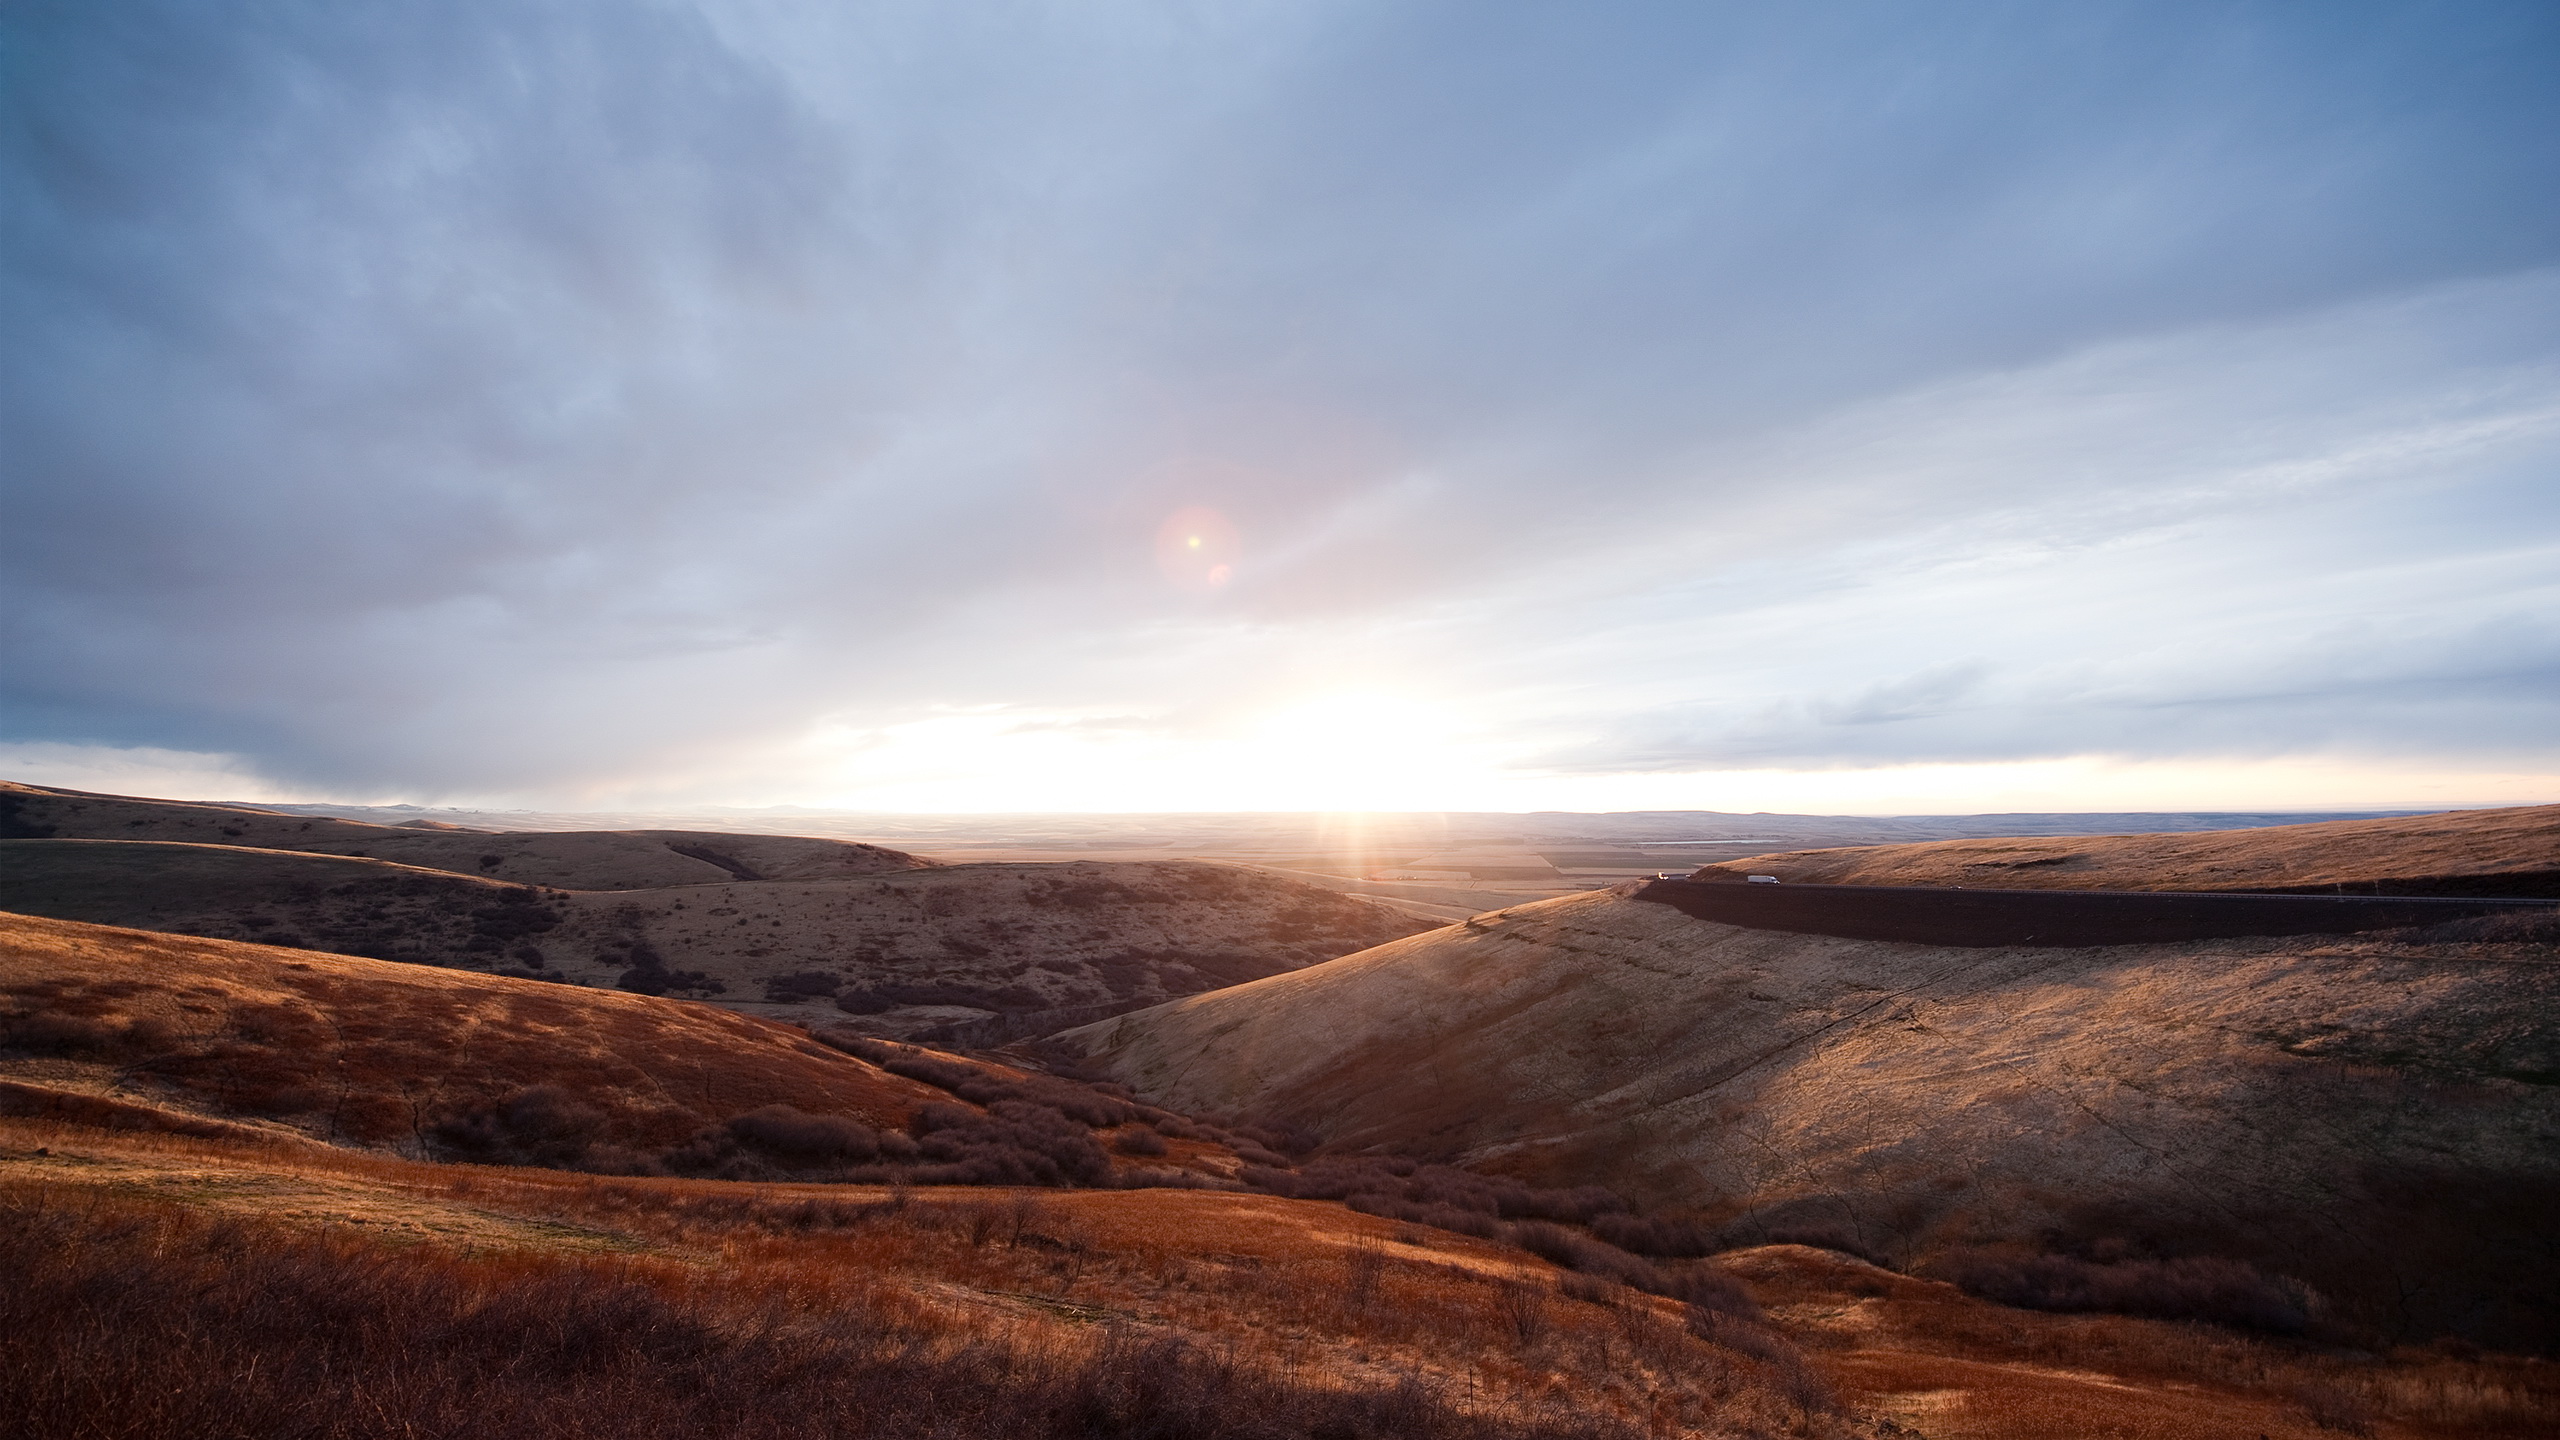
(2460, 852)
(996, 951)
(568, 860)
(2376, 1114)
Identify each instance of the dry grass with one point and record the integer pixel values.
(374, 1053)
(2462, 852)
(2367, 1115)
(692, 1305)
(569, 860)
(1956, 1366)
(976, 954)
(657, 1307)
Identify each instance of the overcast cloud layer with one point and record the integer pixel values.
(780, 400)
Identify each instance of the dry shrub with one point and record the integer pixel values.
(1589, 1289)
(1013, 1143)
(1524, 1311)
(1782, 1363)
(1138, 1140)
(1362, 1271)
(129, 1323)
(1404, 1189)
(2331, 1408)
(1656, 1236)
(2225, 1292)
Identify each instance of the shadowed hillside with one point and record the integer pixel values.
(769, 925)
(2376, 1115)
(2460, 852)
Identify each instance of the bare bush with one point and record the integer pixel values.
(1524, 1311)
(1655, 1236)
(1138, 1140)
(2225, 1292)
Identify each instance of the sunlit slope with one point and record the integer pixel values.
(568, 859)
(371, 1053)
(2461, 852)
(2361, 1109)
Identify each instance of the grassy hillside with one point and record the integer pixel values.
(767, 925)
(569, 860)
(2462, 852)
(202, 1234)
(2378, 1116)
(369, 1053)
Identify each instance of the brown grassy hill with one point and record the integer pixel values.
(177, 1256)
(2460, 852)
(569, 859)
(982, 952)
(2377, 1115)
(371, 1053)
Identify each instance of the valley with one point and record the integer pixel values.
(1143, 1140)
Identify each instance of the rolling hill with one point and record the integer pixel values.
(764, 924)
(2377, 1114)
(2460, 852)
(225, 1215)
(567, 859)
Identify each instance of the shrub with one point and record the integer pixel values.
(1652, 1235)
(1014, 1143)
(823, 1139)
(1138, 1140)
(543, 1125)
(1576, 1251)
(799, 985)
(2226, 1292)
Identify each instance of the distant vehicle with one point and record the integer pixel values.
(1762, 879)
(1670, 874)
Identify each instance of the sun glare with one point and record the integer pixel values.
(1198, 549)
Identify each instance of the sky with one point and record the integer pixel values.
(1826, 407)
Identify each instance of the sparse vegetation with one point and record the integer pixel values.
(279, 1334)
(650, 1251)
(734, 1311)
(2225, 1292)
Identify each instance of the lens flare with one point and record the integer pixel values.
(1197, 549)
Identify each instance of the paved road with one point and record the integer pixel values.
(2055, 917)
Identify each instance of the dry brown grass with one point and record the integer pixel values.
(157, 1300)
(373, 1053)
(1043, 1301)
(2462, 852)
(570, 860)
(1955, 1366)
(2369, 1115)
(977, 953)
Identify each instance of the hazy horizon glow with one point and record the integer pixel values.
(1828, 408)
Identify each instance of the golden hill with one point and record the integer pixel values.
(2460, 852)
(370, 1053)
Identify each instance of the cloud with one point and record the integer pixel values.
(554, 399)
